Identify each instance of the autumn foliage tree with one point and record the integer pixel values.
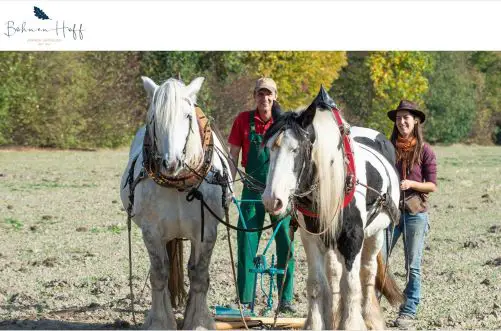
(395, 76)
(298, 75)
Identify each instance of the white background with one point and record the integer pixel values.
(259, 25)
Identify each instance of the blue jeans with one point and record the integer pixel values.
(414, 229)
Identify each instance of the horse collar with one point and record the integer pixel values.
(152, 164)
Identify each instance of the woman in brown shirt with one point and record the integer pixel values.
(417, 168)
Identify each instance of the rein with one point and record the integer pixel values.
(132, 186)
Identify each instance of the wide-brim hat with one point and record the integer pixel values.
(266, 83)
(411, 107)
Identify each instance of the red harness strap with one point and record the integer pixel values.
(350, 169)
(306, 212)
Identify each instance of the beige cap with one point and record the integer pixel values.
(266, 83)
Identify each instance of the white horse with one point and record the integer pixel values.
(342, 243)
(173, 146)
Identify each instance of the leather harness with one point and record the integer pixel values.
(152, 165)
(351, 177)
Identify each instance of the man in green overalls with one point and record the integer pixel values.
(247, 135)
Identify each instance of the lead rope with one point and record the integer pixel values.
(406, 246)
(281, 289)
(129, 226)
(132, 187)
(227, 216)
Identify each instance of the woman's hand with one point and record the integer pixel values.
(406, 184)
(425, 187)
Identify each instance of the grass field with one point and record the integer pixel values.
(64, 262)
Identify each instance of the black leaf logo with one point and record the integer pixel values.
(40, 14)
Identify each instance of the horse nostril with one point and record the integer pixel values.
(278, 204)
(169, 166)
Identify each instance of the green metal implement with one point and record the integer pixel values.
(260, 268)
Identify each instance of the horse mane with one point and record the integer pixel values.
(327, 157)
(165, 112)
(166, 100)
(329, 160)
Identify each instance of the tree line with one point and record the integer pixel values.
(96, 99)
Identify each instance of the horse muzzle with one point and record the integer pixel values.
(172, 167)
(273, 204)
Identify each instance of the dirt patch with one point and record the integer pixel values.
(495, 229)
(494, 262)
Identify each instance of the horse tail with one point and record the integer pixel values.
(385, 283)
(176, 273)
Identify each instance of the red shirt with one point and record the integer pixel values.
(240, 130)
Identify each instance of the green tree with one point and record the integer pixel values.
(18, 97)
(353, 90)
(225, 91)
(215, 67)
(114, 104)
(487, 126)
(451, 99)
(67, 99)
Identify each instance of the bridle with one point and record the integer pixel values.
(297, 195)
(152, 160)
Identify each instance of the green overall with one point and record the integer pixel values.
(254, 213)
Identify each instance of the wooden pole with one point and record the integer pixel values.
(228, 323)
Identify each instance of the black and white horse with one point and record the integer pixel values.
(342, 228)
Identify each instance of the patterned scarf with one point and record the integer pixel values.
(405, 149)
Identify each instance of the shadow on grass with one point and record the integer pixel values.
(70, 319)
(49, 324)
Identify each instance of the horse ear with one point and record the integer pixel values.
(194, 87)
(149, 85)
(306, 117)
(323, 100)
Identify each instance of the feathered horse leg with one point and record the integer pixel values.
(334, 270)
(161, 315)
(318, 290)
(197, 315)
(351, 294)
(371, 310)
